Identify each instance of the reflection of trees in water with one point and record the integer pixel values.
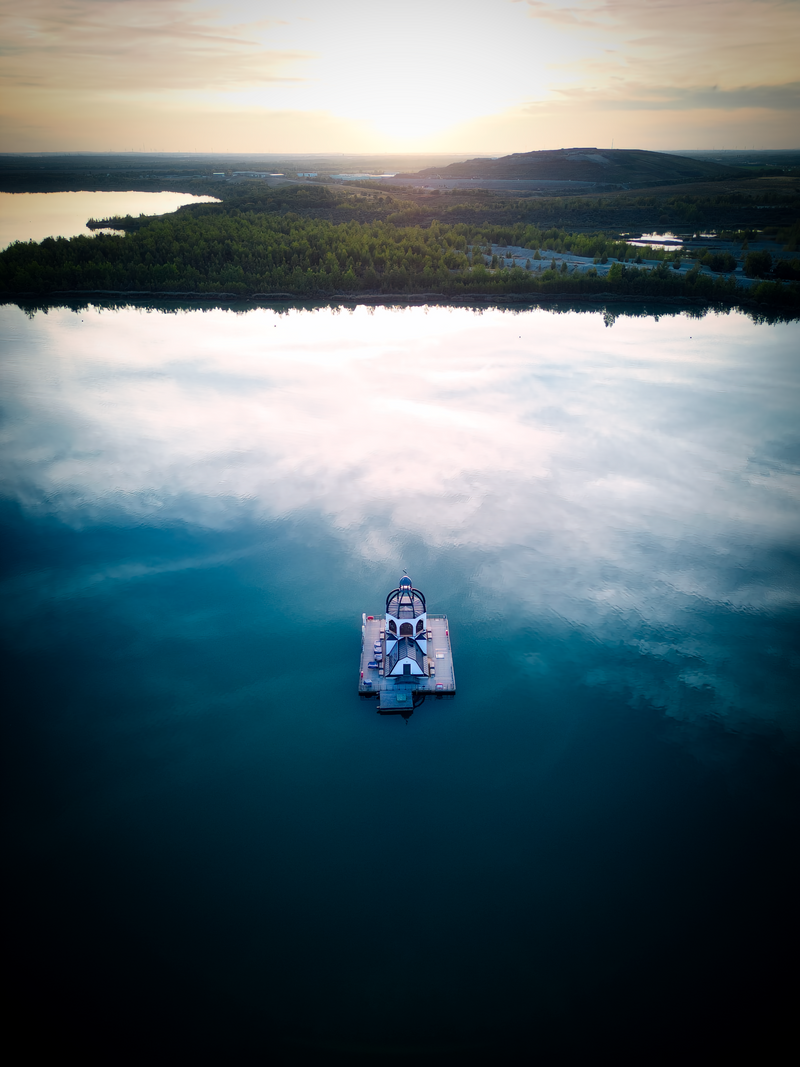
(566, 306)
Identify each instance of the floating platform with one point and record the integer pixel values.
(395, 645)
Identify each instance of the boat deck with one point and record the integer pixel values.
(404, 691)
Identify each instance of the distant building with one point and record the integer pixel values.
(251, 174)
(219, 175)
(307, 174)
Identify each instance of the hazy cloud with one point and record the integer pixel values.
(679, 43)
(142, 45)
(569, 14)
(665, 98)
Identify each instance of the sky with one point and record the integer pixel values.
(364, 76)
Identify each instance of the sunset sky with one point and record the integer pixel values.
(356, 76)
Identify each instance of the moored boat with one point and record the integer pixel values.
(406, 653)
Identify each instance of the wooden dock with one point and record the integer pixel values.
(401, 694)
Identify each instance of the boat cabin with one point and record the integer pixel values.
(405, 653)
(406, 622)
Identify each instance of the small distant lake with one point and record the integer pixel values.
(648, 239)
(34, 216)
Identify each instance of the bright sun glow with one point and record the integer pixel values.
(360, 75)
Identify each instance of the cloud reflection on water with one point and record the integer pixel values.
(610, 479)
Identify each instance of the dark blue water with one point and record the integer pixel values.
(217, 852)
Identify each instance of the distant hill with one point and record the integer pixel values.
(615, 166)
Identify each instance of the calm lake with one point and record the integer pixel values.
(34, 216)
(216, 846)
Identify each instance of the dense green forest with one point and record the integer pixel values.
(730, 209)
(239, 248)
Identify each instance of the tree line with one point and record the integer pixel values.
(243, 252)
